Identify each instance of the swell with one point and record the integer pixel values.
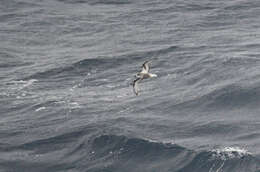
(80, 151)
(102, 64)
(10, 59)
(49, 144)
(7, 6)
(97, 2)
(76, 69)
(227, 97)
(120, 152)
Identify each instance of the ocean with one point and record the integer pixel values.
(67, 103)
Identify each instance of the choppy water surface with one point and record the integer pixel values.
(66, 100)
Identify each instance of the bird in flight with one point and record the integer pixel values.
(144, 74)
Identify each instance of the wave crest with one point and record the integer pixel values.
(121, 152)
(227, 153)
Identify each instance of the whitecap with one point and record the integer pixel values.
(74, 105)
(40, 109)
(229, 153)
(30, 82)
(21, 84)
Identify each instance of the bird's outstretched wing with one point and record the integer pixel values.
(135, 87)
(146, 67)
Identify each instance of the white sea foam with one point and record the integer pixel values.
(166, 142)
(29, 82)
(40, 109)
(21, 84)
(74, 105)
(229, 153)
(26, 83)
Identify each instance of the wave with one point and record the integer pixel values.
(235, 96)
(96, 2)
(134, 154)
(11, 60)
(228, 97)
(79, 151)
(76, 69)
(102, 64)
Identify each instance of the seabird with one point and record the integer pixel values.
(144, 74)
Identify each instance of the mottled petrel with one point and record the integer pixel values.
(144, 74)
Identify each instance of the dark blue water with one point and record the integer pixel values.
(66, 100)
